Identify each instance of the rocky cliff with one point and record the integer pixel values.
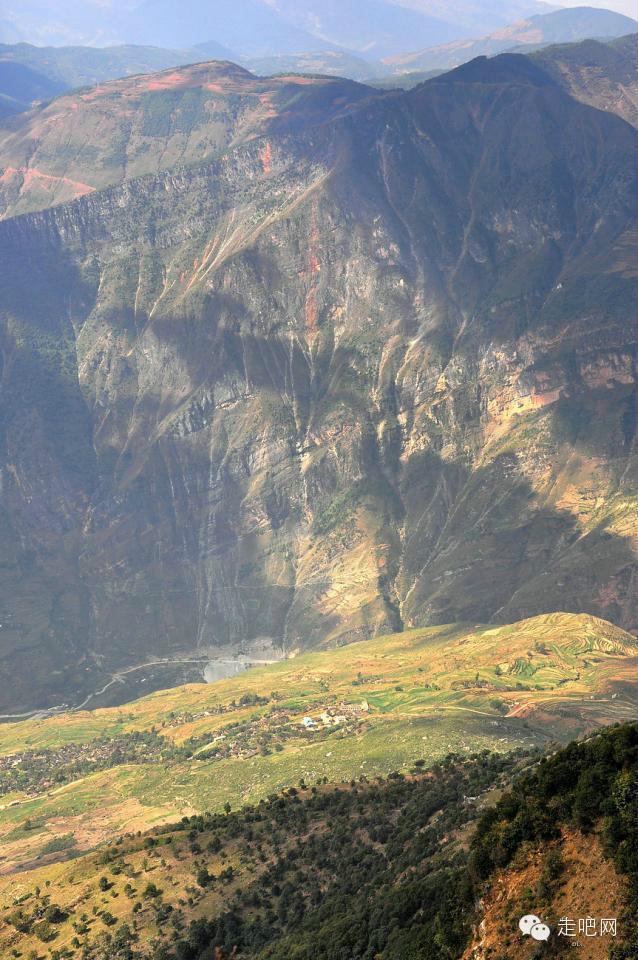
(344, 376)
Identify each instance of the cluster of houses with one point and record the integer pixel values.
(333, 716)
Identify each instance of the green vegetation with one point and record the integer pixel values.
(383, 869)
(584, 786)
(34, 771)
(314, 871)
(374, 707)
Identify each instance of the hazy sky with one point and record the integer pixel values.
(372, 28)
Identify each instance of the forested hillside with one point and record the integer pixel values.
(387, 869)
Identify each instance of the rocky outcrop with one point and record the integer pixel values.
(375, 373)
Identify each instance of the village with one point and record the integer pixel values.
(268, 733)
(35, 771)
(331, 717)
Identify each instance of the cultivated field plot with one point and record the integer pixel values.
(70, 782)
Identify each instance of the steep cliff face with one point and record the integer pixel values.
(378, 373)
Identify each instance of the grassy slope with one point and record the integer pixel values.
(363, 869)
(121, 129)
(551, 677)
(250, 843)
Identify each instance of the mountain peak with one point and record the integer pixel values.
(224, 74)
(181, 115)
(506, 68)
(559, 26)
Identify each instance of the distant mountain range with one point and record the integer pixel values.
(30, 73)
(20, 86)
(258, 28)
(561, 26)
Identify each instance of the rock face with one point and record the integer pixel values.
(341, 378)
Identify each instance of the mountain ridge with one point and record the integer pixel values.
(559, 26)
(602, 75)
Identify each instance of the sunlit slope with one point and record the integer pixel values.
(103, 134)
(157, 885)
(375, 707)
(603, 75)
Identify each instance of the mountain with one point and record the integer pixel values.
(603, 75)
(20, 86)
(375, 28)
(58, 22)
(561, 26)
(292, 362)
(130, 127)
(83, 66)
(253, 28)
(270, 880)
(477, 16)
(29, 74)
(64, 22)
(324, 62)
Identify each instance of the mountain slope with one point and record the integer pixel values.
(332, 714)
(560, 26)
(477, 16)
(347, 376)
(375, 28)
(603, 75)
(325, 62)
(20, 86)
(433, 864)
(90, 139)
(251, 28)
(84, 66)
(312, 870)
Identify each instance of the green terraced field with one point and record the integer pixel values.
(413, 696)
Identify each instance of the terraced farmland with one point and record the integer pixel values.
(368, 708)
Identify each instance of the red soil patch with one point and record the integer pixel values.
(589, 887)
(79, 189)
(167, 82)
(31, 174)
(265, 155)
